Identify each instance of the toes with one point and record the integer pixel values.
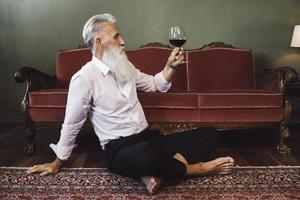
(152, 180)
(227, 160)
(231, 160)
(152, 183)
(226, 165)
(156, 184)
(225, 170)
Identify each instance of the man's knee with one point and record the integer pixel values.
(133, 161)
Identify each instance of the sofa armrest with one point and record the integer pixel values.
(276, 79)
(34, 78)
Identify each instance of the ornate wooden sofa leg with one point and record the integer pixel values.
(29, 147)
(282, 147)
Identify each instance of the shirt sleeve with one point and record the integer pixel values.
(77, 108)
(149, 83)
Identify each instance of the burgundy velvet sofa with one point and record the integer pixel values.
(216, 86)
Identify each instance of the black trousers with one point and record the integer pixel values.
(150, 153)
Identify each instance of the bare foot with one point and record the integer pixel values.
(152, 183)
(222, 165)
(225, 168)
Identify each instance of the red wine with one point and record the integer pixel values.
(178, 43)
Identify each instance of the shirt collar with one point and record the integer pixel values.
(104, 69)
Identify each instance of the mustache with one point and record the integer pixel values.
(115, 50)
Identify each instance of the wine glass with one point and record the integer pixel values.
(177, 36)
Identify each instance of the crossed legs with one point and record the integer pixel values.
(222, 165)
(170, 157)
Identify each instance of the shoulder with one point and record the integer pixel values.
(85, 74)
(87, 70)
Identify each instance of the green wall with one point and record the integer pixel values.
(32, 31)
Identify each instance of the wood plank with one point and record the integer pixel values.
(246, 147)
(257, 156)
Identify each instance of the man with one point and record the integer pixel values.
(106, 90)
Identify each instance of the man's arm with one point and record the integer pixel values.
(78, 105)
(161, 81)
(175, 58)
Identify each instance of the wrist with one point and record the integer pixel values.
(171, 66)
(58, 163)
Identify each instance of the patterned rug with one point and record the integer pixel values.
(243, 183)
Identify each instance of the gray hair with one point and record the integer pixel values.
(95, 25)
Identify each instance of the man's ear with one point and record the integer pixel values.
(98, 41)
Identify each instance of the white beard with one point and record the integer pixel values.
(118, 63)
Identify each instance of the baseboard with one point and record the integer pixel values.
(11, 119)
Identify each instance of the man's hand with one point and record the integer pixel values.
(46, 169)
(176, 57)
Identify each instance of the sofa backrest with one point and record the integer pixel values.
(206, 69)
(68, 63)
(220, 68)
(152, 60)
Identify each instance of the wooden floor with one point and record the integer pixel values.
(247, 147)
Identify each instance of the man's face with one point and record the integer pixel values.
(113, 54)
(111, 37)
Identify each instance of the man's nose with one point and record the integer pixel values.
(121, 41)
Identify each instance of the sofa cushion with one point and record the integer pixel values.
(241, 115)
(171, 115)
(228, 115)
(48, 98)
(219, 99)
(212, 106)
(48, 105)
(232, 106)
(58, 98)
(220, 68)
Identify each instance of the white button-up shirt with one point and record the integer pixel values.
(114, 109)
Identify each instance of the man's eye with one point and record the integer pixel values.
(116, 36)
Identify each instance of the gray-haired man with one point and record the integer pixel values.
(106, 90)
